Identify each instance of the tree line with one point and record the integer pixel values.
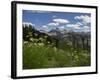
(74, 39)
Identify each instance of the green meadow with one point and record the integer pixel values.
(36, 56)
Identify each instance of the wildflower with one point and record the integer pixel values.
(48, 42)
(30, 45)
(45, 36)
(35, 44)
(76, 57)
(75, 51)
(35, 34)
(31, 39)
(25, 42)
(41, 39)
(55, 49)
(41, 44)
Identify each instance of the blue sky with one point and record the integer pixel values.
(43, 20)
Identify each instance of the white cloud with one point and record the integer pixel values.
(53, 24)
(77, 27)
(85, 19)
(61, 27)
(44, 26)
(79, 23)
(74, 26)
(61, 21)
(86, 27)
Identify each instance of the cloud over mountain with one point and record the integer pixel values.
(85, 19)
(74, 26)
(53, 24)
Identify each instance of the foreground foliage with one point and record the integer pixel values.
(42, 56)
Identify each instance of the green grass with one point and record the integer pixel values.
(41, 56)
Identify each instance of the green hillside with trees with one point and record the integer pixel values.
(45, 50)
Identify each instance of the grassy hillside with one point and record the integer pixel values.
(43, 56)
